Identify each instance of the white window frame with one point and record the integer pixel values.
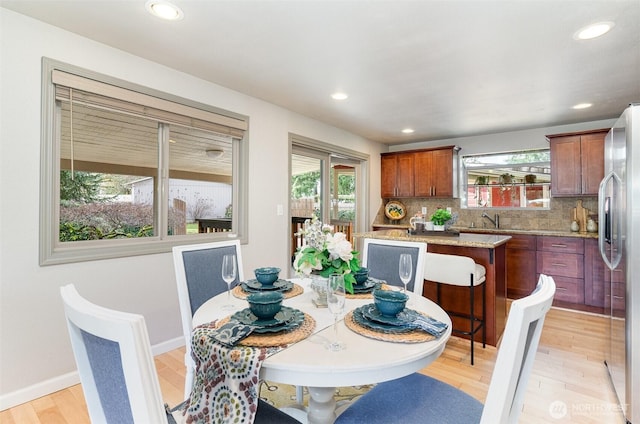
(52, 251)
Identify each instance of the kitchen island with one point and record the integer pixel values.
(485, 249)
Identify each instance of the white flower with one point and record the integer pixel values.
(339, 247)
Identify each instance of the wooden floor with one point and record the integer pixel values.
(569, 383)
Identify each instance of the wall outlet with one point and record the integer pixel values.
(280, 210)
(424, 211)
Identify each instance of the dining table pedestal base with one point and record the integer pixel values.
(322, 405)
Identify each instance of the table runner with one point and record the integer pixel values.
(225, 389)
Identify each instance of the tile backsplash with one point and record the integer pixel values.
(557, 218)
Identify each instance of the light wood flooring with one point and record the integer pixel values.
(569, 383)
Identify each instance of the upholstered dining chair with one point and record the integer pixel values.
(382, 257)
(116, 367)
(114, 361)
(199, 278)
(418, 398)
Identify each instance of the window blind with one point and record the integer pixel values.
(107, 96)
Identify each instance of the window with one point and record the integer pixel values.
(128, 170)
(509, 180)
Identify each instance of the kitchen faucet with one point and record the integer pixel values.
(495, 221)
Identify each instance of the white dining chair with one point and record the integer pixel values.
(199, 278)
(117, 370)
(115, 363)
(382, 258)
(418, 398)
(460, 271)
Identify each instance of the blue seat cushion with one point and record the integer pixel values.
(415, 398)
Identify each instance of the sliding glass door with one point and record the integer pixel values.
(326, 182)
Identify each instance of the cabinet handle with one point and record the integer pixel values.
(561, 289)
(558, 245)
(557, 264)
(434, 191)
(615, 297)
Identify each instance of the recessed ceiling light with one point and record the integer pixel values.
(164, 10)
(582, 106)
(408, 131)
(593, 30)
(339, 96)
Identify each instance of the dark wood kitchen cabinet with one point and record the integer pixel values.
(419, 173)
(397, 175)
(594, 274)
(521, 265)
(563, 259)
(577, 163)
(434, 173)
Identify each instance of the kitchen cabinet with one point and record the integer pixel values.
(594, 274)
(577, 163)
(521, 265)
(434, 173)
(563, 259)
(397, 175)
(419, 173)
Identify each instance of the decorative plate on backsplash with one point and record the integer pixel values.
(395, 210)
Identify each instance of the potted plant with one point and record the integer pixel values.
(439, 218)
(482, 180)
(530, 178)
(506, 178)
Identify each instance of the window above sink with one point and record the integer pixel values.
(506, 180)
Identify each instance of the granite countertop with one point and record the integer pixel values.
(477, 230)
(487, 241)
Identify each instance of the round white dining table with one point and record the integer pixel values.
(363, 360)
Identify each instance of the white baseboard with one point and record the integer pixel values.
(35, 391)
(61, 382)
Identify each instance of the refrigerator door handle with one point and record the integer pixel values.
(604, 231)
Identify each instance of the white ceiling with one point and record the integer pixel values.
(445, 68)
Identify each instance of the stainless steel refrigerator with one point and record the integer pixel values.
(619, 240)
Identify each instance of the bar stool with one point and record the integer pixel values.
(459, 271)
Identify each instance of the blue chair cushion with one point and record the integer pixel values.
(415, 398)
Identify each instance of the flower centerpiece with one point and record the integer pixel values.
(325, 253)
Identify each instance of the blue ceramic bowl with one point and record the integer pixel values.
(361, 275)
(265, 305)
(267, 275)
(389, 303)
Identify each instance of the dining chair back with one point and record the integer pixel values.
(198, 269)
(345, 227)
(418, 398)
(382, 257)
(115, 363)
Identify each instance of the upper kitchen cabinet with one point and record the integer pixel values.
(577, 162)
(419, 173)
(434, 172)
(397, 175)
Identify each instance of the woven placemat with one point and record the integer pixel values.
(278, 339)
(296, 290)
(413, 336)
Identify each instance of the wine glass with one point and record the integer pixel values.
(335, 300)
(229, 272)
(405, 269)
